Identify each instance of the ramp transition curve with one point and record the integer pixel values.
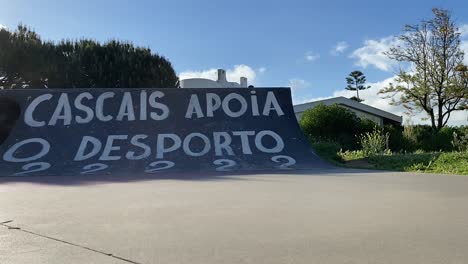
(110, 131)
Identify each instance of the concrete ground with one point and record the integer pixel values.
(332, 216)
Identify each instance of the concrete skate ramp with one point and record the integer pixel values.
(112, 131)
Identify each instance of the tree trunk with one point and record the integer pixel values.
(440, 119)
(433, 123)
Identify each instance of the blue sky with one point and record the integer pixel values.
(277, 43)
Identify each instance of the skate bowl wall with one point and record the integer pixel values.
(112, 131)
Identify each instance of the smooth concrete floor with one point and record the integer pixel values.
(331, 216)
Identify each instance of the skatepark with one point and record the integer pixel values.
(73, 132)
(204, 176)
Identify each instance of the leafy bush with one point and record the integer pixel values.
(397, 142)
(366, 125)
(352, 154)
(439, 140)
(375, 142)
(341, 125)
(460, 142)
(334, 123)
(425, 138)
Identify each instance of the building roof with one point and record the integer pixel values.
(351, 104)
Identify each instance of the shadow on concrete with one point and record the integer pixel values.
(260, 175)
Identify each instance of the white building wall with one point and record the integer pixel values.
(207, 83)
(361, 110)
(198, 83)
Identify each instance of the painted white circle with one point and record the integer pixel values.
(9, 154)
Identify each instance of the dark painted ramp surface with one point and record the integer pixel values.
(110, 131)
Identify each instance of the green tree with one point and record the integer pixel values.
(437, 80)
(334, 123)
(26, 61)
(23, 59)
(356, 81)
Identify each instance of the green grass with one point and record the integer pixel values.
(419, 161)
(352, 155)
(443, 162)
(328, 151)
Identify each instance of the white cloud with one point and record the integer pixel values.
(232, 75)
(262, 70)
(463, 29)
(372, 53)
(311, 56)
(298, 83)
(339, 48)
(2, 26)
(241, 71)
(298, 86)
(464, 48)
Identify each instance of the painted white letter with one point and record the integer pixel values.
(254, 103)
(8, 156)
(279, 146)
(219, 146)
(126, 108)
(143, 105)
(100, 106)
(271, 100)
(239, 98)
(146, 150)
(188, 139)
(213, 102)
(160, 145)
(194, 107)
(244, 136)
(28, 114)
(80, 106)
(110, 147)
(96, 147)
(62, 106)
(154, 104)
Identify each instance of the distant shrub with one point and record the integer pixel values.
(460, 142)
(352, 154)
(341, 125)
(423, 137)
(397, 142)
(375, 142)
(366, 125)
(439, 140)
(333, 123)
